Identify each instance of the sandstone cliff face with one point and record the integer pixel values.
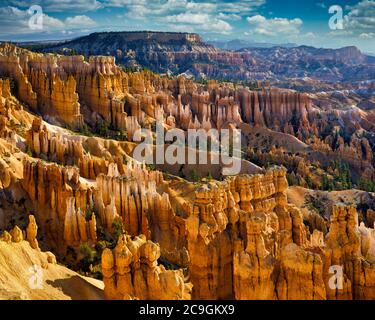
(274, 108)
(61, 201)
(99, 82)
(244, 229)
(350, 246)
(240, 228)
(131, 271)
(57, 86)
(67, 149)
(40, 84)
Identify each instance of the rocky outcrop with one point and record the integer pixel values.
(17, 235)
(349, 247)
(62, 203)
(275, 108)
(131, 271)
(301, 275)
(31, 232)
(40, 84)
(66, 149)
(99, 82)
(60, 84)
(237, 229)
(137, 198)
(245, 230)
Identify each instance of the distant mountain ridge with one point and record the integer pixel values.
(176, 53)
(238, 44)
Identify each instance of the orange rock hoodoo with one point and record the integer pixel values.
(58, 86)
(131, 271)
(234, 239)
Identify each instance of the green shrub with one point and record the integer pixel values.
(117, 228)
(194, 175)
(89, 256)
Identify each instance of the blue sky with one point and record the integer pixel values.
(271, 21)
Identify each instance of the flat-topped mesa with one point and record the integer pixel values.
(151, 36)
(131, 271)
(61, 203)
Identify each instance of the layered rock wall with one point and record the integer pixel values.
(62, 202)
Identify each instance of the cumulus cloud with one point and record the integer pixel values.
(361, 16)
(229, 16)
(203, 16)
(273, 27)
(15, 21)
(213, 17)
(79, 21)
(240, 7)
(57, 5)
(200, 21)
(370, 35)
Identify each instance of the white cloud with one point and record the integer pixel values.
(79, 21)
(366, 36)
(274, 27)
(203, 16)
(229, 16)
(58, 5)
(157, 7)
(341, 33)
(186, 15)
(361, 16)
(310, 35)
(16, 22)
(200, 22)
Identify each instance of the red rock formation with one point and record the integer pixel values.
(61, 201)
(345, 248)
(274, 108)
(40, 83)
(131, 271)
